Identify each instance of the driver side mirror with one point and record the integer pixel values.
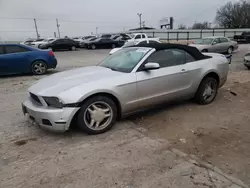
(151, 66)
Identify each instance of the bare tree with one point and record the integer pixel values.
(182, 26)
(234, 15)
(204, 25)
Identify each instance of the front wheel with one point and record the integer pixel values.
(39, 68)
(93, 47)
(230, 50)
(113, 46)
(97, 115)
(73, 48)
(207, 91)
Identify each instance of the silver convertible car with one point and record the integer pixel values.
(131, 79)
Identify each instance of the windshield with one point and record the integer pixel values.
(93, 39)
(125, 60)
(204, 41)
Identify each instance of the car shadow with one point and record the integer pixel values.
(50, 72)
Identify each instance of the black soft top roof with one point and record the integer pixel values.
(162, 46)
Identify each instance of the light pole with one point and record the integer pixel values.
(58, 28)
(140, 14)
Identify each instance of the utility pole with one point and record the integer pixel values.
(58, 28)
(37, 34)
(140, 14)
(96, 30)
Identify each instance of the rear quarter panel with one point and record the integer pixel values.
(199, 69)
(43, 55)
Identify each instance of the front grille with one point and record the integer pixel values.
(35, 98)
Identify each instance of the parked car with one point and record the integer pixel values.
(60, 44)
(243, 38)
(247, 60)
(215, 44)
(132, 79)
(133, 43)
(140, 36)
(84, 43)
(29, 41)
(37, 44)
(18, 58)
(102, 43)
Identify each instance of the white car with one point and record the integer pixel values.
(36, 44)
(133, 43)
(140, 36)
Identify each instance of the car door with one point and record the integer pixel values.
(105, 43)
(216, 46)
(15, 59)
(58, 44)
(225, 44)
(3, 61)
(171, 81)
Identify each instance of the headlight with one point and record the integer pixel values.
(53, 102)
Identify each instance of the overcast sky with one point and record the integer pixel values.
(81, 17)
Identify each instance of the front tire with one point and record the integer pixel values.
(207, 91)
(39, 68)
(97, 115)
(73, 48)
(113, 46)
(230, 50)
(93, 47)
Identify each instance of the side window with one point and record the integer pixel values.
(143, 36)
(216, 41)
(189, 58)
(138, 37)
(168, 57)
(1, 50)
(223, 40)
(15, 49)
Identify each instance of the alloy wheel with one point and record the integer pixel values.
(39, 68)
(209, 91)
(98, 115)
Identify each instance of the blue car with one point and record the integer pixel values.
(18, 58)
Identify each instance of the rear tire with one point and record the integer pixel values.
(39, 68)
(97, 115)
(207, 91)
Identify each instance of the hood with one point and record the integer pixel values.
(60, 82)
(114, 50)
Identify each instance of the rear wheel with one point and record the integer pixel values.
(39, 68)
(248, 68)
(97, 115)
(207, 91)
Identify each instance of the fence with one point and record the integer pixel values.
(190, 34)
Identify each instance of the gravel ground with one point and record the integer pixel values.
(140, 151)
